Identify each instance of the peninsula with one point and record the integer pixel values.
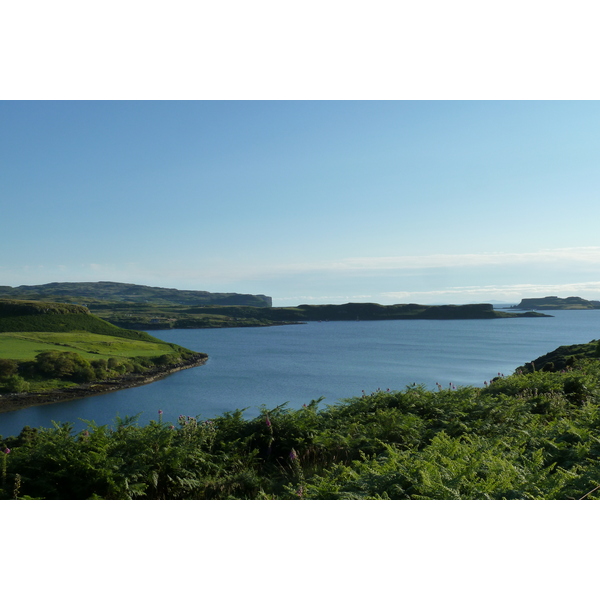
(51, 352)
(364, 311)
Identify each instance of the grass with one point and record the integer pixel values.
(26, 345)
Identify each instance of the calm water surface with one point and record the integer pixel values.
(249, 367)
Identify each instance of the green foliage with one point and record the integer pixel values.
(8, 367)
(13, 384)
(527, 436)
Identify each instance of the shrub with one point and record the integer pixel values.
(8, 367)
(64, 365)
(13, 384)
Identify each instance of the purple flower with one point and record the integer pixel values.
(6, 450)
(268, 422)
(293, 455)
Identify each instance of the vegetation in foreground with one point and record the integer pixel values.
(526, 436)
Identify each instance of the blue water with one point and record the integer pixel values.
(249, 367)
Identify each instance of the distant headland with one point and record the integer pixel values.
(367, 311)
(110, 291)
(141, 307)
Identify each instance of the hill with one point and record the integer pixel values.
(556, 303)
(563, 358)
(23, 315)
(129, 292)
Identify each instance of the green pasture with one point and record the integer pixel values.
(26, 345)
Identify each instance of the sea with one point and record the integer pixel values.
(265, 367)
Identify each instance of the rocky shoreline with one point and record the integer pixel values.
(10, 402)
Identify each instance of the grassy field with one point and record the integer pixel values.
(26, 345)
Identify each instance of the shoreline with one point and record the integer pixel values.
(12, 402)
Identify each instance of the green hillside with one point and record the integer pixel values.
(46, 346)
(563, 357)
(22, 315)
(129, 292)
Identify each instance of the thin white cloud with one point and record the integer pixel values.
(219, 270)
(589, 289)
(590, 254)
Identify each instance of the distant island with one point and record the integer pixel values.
(556, 303)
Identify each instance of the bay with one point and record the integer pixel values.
(294, 364)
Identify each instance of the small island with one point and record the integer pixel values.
(556, 303)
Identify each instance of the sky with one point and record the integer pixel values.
(305, 201)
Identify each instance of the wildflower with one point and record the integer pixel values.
(293, 455)
(268, 422)
(160, 412)
(172, 427)
(6, 450)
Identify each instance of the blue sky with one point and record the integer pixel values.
(305, 201)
